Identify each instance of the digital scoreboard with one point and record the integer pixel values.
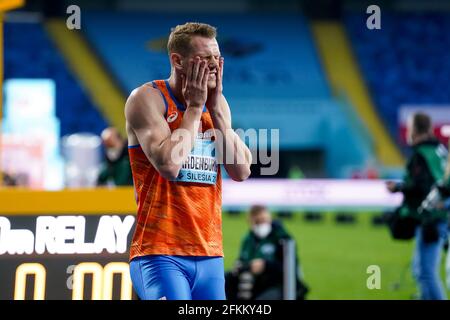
(65, 256)
(65, 245)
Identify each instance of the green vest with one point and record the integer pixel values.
(118, 172)
(435, 157)
(446, 182)
(263, 248)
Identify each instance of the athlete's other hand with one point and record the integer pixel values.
(215, 94)
(194, 83)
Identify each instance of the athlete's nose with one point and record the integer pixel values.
(214, 63)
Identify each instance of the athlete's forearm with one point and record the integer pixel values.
(176, 147)
(233, 152)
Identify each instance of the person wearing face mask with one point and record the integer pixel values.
(258, 273)
(116, 169)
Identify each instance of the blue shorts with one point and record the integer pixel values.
(159, 277)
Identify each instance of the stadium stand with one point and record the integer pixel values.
(266, 88)
(86, 66)
(406, 62)
(31, 54)
(257, 58)
(346, 81)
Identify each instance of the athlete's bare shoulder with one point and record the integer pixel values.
(144, 109)
(142, 100)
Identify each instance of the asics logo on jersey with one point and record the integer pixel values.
(172, 117)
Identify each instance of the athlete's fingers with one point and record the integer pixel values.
(220, 73)
(189, 71)
(201, 72)
(205, 77)
(195, 69)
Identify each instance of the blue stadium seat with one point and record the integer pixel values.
(29, 53)
(406, 62)
(258, 55)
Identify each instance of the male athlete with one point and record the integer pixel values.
(176, 251)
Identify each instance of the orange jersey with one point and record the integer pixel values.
(180, 217)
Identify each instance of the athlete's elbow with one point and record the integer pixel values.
(169, 172)
(245, 175)
(241, 175)
(238, 178)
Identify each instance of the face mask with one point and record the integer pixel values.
(113, 153)
(262, 230)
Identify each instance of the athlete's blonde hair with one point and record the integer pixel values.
(181, 35)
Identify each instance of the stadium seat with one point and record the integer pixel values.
(31, 54)
(406, 62)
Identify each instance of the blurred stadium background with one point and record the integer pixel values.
(338, 92)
